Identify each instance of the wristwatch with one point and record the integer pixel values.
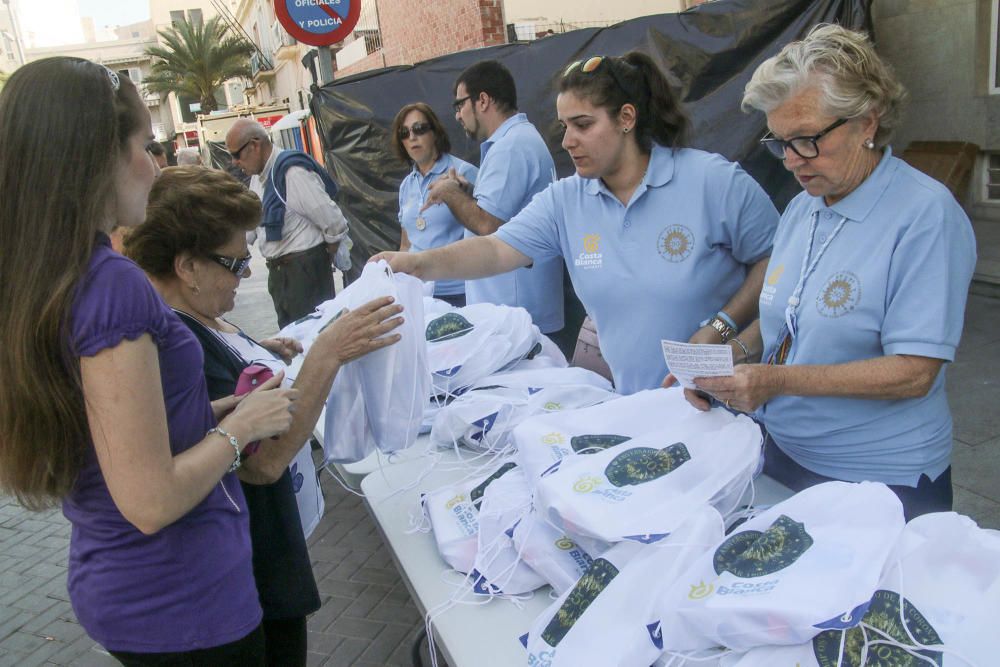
(723, 327)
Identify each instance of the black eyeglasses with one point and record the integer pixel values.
(418, 129)
(457, 104)
(236, 265)
(805, 147)
(236, 153)
(593, 64)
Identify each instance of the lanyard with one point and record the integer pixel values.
(807, 269)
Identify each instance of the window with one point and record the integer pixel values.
(194, 17)
(177, 17)
(991, 177)
(134, 74)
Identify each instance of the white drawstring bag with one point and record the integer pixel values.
(347, 436)
(948, 571)
(308, 495)
(498, 568)
(551, 553)
(394, 380)
(483, 417)
(543, 440)
(609, 617)
(807, 564)
(642, 489)
(453, 512)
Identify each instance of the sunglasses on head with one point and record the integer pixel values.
(236, 153)
(236, 265)
(418, 129)
(595, 63)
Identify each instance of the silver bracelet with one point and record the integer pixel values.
(746, 351)
(232, 441)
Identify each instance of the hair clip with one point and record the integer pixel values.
(113, 76)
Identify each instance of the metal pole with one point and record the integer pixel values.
(17, 36)
(325, 62)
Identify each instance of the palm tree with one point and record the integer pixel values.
(196, 59)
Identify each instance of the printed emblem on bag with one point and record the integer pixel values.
(552, 406)
(770, 286)
(676, 243)
(589, 444)
(590, 585)
(535, 351)
(297, 478)
(553, 438)
(565, 543)
(476, 495)
(454, 501)
(756, 554)
(645, 464)
(586, 484)
(886, 624)
(446, 327)
(700, 591)
(580, 557)
(840, 295)
(591, 257)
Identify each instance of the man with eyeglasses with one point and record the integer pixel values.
(302, 229)
(515, 165)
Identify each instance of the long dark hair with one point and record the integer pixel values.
(634, 79)
(63, 128)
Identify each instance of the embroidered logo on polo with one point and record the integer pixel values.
(883, 616)
(591, 257)
(446, 327)
(770, 285)
(598, 576)
(588, 444)
(676, 243)
(840, 295)
(645, 464)
(756, 554)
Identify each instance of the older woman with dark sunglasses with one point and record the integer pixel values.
(419, 140)
(193, 248)
(660, 240)
(866, 288)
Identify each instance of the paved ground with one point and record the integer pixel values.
(367, 616)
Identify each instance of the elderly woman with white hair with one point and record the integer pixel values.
(865, 291)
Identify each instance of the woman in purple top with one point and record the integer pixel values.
(103, 403)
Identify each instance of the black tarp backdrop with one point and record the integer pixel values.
(712, 49)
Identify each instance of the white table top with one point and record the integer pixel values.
(477, 636)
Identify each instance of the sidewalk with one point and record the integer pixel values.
(367, 616)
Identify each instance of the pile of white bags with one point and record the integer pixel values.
(464, 345)
(483, 417)
(379, 399)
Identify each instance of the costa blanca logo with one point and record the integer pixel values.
(565, 543)
(586, 484)
(675, 243)
(454, 501)
(591, 257)
(700, 591)
(770, 286)
(553, 439)
(552, 405)
(840, 295)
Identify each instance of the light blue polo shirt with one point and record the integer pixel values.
(658, 267)
(441, 227)
(893, 281)
(515, 165)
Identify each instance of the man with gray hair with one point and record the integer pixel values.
(188, 157)
(302, 229)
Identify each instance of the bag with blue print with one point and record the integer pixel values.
(499, 568)
(483, 417)
(554, 555)
(643, 488)
(806, 565)
(308, 495)
(936, 604)
(609, 616)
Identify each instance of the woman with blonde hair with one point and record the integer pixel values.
(866, 288)
(103, 406)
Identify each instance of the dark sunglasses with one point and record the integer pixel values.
(236, 153)
(595, 63)
(805, 147)
(236, 265)
(418, 129)
(457, 104)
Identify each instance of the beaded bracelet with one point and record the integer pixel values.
(232, 441)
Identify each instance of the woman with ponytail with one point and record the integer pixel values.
(103, 407)
(661, 241)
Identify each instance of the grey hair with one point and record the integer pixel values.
(852, 78)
